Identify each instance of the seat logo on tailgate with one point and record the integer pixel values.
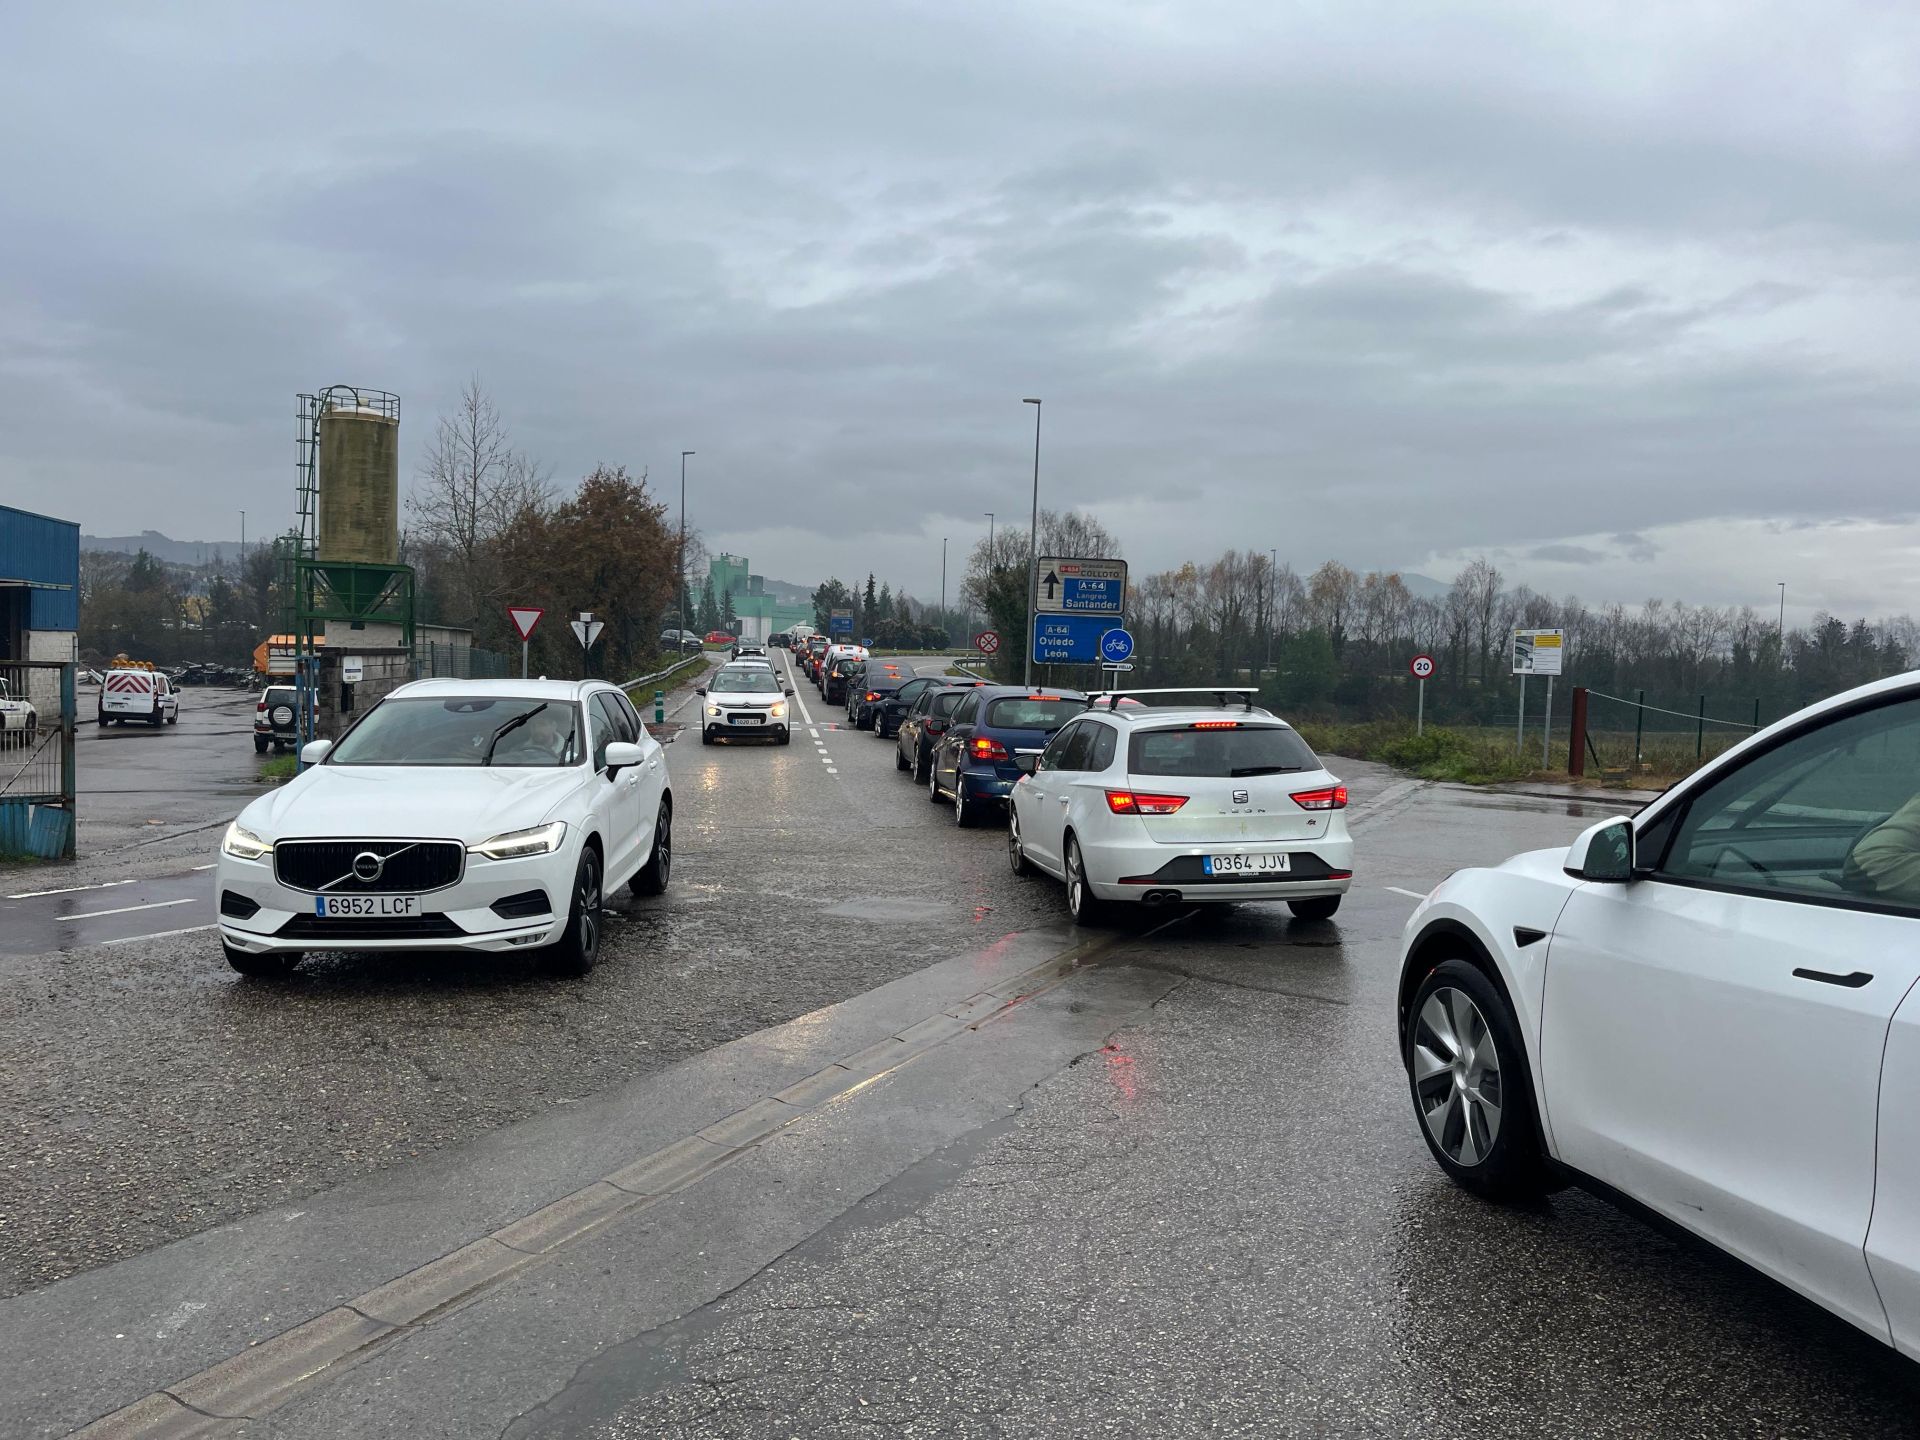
(1240, 797)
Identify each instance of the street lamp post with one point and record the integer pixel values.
(1783, 615)
(683, 551)
(1273, 598)
(1033, 540)
(943, 583)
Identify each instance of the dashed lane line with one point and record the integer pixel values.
(129, 909)
(70, 889)
(1410, 894)
(160, 934)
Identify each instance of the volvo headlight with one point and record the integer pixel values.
(541, 840)
(243, 844)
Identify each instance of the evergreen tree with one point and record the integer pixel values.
(709, 610)
(885, 611)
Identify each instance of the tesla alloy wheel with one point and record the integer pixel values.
(1470, 1086)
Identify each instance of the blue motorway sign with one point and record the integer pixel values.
(1098, 595)
(840, 622)
(1068, 639)
(1116, 646)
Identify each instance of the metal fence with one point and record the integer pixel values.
(433, 661)
(1644, 731)
(37, 759)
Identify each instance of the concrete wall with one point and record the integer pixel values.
(382, 672)
(45, 684)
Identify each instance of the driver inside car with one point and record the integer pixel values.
(1885, 862)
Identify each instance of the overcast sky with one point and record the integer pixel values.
(1622, 295)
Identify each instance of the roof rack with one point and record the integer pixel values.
(1243, 694)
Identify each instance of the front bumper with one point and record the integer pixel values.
(725, 728)
(458, 917)
(1133, 869)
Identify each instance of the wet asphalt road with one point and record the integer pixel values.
(1214, 1217)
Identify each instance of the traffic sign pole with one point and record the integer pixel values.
(1421, 667)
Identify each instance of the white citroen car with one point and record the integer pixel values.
(454, 815)
(1164, 806)
(1706, 1009)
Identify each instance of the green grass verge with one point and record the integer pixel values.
(279, 767)
(1439, 754)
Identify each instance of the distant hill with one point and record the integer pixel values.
(162, 547)
(1424, 587)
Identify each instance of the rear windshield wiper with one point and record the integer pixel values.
(520, 719)
(1265, 770)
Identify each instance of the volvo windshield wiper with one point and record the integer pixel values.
(1245, 770)
(520, 719)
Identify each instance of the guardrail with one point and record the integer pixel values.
(660, 679)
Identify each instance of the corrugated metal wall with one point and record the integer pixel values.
(45, 550)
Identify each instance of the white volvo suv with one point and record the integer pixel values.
(1164, 806)
(1708, 1009)
(454, 815)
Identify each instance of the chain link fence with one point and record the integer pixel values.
(36, 759)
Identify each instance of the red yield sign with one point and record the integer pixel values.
(525, 618)
(987, 642)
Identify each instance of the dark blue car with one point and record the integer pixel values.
(974, 762)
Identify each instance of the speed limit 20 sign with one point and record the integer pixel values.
(1422, 667)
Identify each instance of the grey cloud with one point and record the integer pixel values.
(1566, 554)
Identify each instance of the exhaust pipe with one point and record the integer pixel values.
(1161, 897)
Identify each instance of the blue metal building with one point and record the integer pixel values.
(39, 586)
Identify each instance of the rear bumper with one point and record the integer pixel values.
(1134, 870)
(986, 784)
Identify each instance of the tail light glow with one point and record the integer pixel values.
(984, 748)
(1216, 724)
(1333, 797)
(1139, 802)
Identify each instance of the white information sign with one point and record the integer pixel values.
(1064, 585)
(1538, 652)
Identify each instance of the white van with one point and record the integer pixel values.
(134, 690)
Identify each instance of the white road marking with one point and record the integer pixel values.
(159, 934)
(69, 889)
(197, 868)
(1410, 894)
(129, 909)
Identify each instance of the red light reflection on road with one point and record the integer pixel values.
(1120, 1071)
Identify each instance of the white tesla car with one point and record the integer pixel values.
(1706, 1009)
(454, 815)
(1163, 806)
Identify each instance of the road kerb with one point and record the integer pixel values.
(153, 1417)
(422, 1293)
(261, 1376)
(671, 1167)
(573, 1215)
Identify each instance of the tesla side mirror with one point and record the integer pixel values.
(621, 754)
(314, 751)
(1026, 764)
(1603, 854)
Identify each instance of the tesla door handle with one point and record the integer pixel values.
(1065, 798)
(1851, 981)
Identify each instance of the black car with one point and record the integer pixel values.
(924, 724)
(871, 687)
(891, 707)
(833, 681)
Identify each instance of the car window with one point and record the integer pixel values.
(1104, 746)
(967, 709)
(1056, 750)
(606, 729)
(1832, 814)
(623, 726)
(1033, 712)
(741, 680)
(945, 702)
(1078, 750)
(458, 730)
(1219, 749)
(635, 724)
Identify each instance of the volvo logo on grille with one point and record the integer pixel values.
(367, 866)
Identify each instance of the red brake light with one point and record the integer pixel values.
(985, 749)
(1216, 724)
(261, 706)
(1334, 797)
(873, 694)
(1138, 802)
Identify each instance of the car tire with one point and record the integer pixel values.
(578, 947)
(653, 876)
(1319, 908)
(706, 736)
(922, 768)
(1083, 905)
(261, 744)
(174, 718)
(786, 738)
(1016, 852)
(933, 784)
(965, 811)
(259, 965)
(103, 721)
(1477, 1116)
(899, 760)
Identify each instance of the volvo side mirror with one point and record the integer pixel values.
(1604, 853)
(621, 754)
